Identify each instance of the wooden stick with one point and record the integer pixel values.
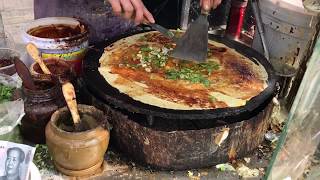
(34, 53)
(70, 97)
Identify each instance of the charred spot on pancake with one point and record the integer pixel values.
(219, 49)
(156, 38)
(242, 70)
(215, 51)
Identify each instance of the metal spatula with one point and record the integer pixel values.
(193, 45)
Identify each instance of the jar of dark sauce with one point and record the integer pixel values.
(39, 105)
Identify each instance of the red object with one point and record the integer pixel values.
(77, 65)
(236, 16)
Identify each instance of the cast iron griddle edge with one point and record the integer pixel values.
(97, 85)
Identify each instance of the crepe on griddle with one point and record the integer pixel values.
(140, 67)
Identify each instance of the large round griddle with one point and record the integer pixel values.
(102, 90)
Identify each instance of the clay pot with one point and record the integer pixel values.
(78, 153)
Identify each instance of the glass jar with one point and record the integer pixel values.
(58, 67)
(6, 61)
(39, 105)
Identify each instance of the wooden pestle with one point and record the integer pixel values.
(70, 97)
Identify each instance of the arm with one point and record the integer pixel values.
(136, 8)
(209, 4)
(128, 8)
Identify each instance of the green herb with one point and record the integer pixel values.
(187, 74)
(159, 61)
(196, 73)
(225, 167)
(5, 93)
(145, 48)
(208, 67)
(42, 158)
(154, 57)
(146, 59)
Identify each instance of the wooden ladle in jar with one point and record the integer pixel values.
(34, 53)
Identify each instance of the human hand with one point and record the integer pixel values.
(207, 5)
(130, 8)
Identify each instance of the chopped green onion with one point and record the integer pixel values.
(5, 93)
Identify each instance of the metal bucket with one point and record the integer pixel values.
(288, 28)
(286, 74)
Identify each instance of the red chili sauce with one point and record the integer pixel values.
(55, 31)
(55, 68)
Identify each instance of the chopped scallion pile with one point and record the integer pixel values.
(189, 75)
(5, 93)
(197, 73)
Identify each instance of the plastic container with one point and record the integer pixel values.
(301, 135)
(71, 48)
(11, 113)
(8, 54)
(288, 29)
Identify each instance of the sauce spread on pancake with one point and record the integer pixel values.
(226, 76)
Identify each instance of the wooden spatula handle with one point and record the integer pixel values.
(70, 97)
(34, 53)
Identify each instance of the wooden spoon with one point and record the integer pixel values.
(70, 97)
(34, 53)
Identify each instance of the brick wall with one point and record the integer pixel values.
(16, 14)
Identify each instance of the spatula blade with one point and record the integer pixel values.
(193, 45)
(24, 74)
